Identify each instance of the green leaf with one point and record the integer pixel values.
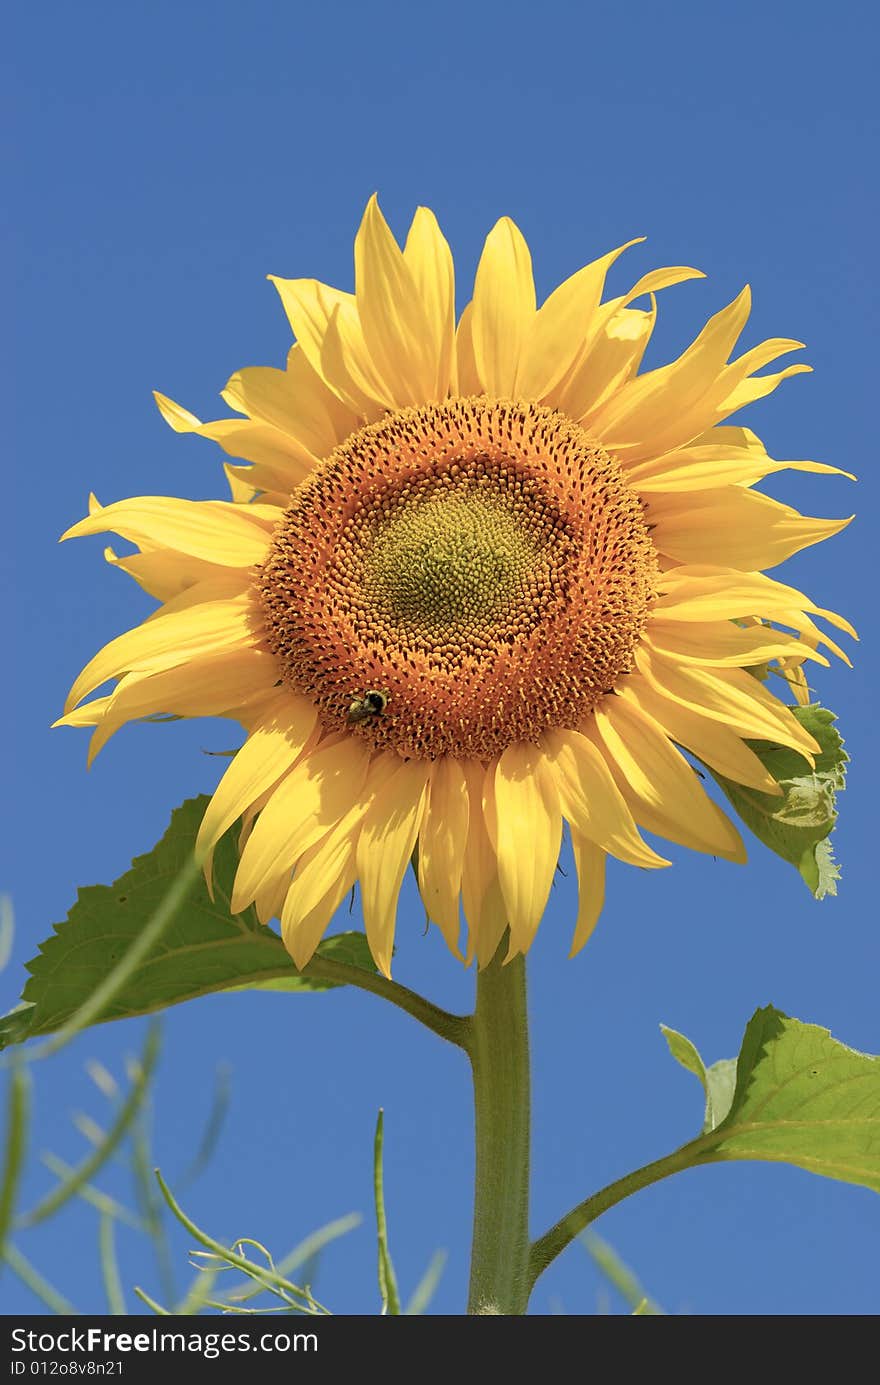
(718, 1081)
(204, 949)
(721, 1082)
(793, 1096)
(797, 825)
(800, 1097)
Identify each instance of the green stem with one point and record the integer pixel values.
(453, 1028)
(498, 1047)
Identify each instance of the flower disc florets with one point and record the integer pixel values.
(481, 563)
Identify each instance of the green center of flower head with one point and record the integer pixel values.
(455, 562)
(458, 577)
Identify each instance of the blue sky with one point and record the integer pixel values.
(167, 159)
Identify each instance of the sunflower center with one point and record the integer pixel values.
(449, 561)
(458, 577)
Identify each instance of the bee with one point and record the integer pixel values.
(372, 704)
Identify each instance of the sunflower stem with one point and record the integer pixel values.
(498, 1047)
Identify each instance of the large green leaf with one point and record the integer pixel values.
(205, 948)
(797, 825)
(800, 1097)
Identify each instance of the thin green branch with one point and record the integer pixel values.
(85, 1171)
(274, 1282)
(387, 1277)
(306, 1251)
(213, 1126)
(545, 1250)
(427, 1285)
(20, 1265)
(454, 1028)
(18, 1110)
(150, 1202)
(620, 1276)
(89, 1128)
(151, 1303)
(102, 1202)
(225, 1306)
(110, 1266)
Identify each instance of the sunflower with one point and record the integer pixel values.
(475, 580)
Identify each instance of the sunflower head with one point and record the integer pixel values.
(482, 562)
(478, 578)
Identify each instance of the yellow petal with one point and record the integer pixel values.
(294, 400)
(796, 681)
(589, 861)
(613, 359)
(563, 327)
(727, 695)
(326, 325)
(591, 800)
(529, 829)
(667, 407)
(302, 938)
(657, 279)
(211, 626)
(708, 466)
(163, 573)
(713, 743)
(90, 714)
(724, 443)
(241, 490)
(252, 440)
(480, 891)
(314, 795)
(393, 321)
(267, 482)
(466, 373)
(662, 789)
(323, 420)
(275, 743)
(214, 686)
(809, 637)
(265, 395)
(346, 361)
(325, 873)
(270, 901)
(723, 645)
(707, 592)
(217, 531)
(734, 527)
(384, 848)
(429, 259)
(503, 307)
(309, 305)
(442, 840)
(749, 391)
(614, 346)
